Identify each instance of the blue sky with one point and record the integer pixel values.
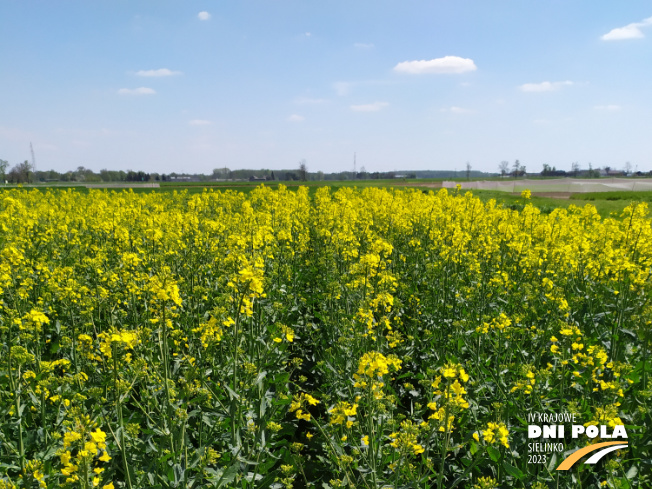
(196, 85)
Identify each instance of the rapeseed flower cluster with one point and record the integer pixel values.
(359, 336)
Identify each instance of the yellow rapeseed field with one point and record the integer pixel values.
(372, 338)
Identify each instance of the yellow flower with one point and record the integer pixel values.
(70, 437)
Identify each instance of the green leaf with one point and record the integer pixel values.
(462, 476)
(493, 454)
(474, 447)
(631, 473)
(232, 393)
(229, 475)
(178, 474)
(513, 471)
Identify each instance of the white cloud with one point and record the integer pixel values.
(375, 107)
(199, 122)
(545, 86)
(310, 101)
(296, 118)
(157, 73)
(14, 134)
(203, 15)
(630, 31)
(47, 147)
(363, 45)
(137, 91)
(307, 34)
(342, 88)
(456, 110)
(445, 65)
(610, 108)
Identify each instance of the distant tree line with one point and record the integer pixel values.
(23, 173)
(518, 170)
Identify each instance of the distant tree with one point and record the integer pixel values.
(272, 176)
(593, 173)
(80, 174)
(628, 167)
(4, 164)
(303, 170)
(575, 168)
(546, 170)
(515, 168)
(504, 168)
(221, 173)
(21, 173)
(468, 170)
(518, 170)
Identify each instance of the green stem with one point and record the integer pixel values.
(118, 402)
(235, 404)
(440, 476)
(165, 354)
(15, 388)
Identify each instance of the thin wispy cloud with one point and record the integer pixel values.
(373, 107)
(445, 65)
(545, 86)
(137, 91)
(15, 134)
(296, 118)
(630, 31)
(203, 15)
(346, 87)
(608, 108)
(310, 100)
(363, 45)
(158, 73)
(342, 88)
(199, 122)
(456, 110)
